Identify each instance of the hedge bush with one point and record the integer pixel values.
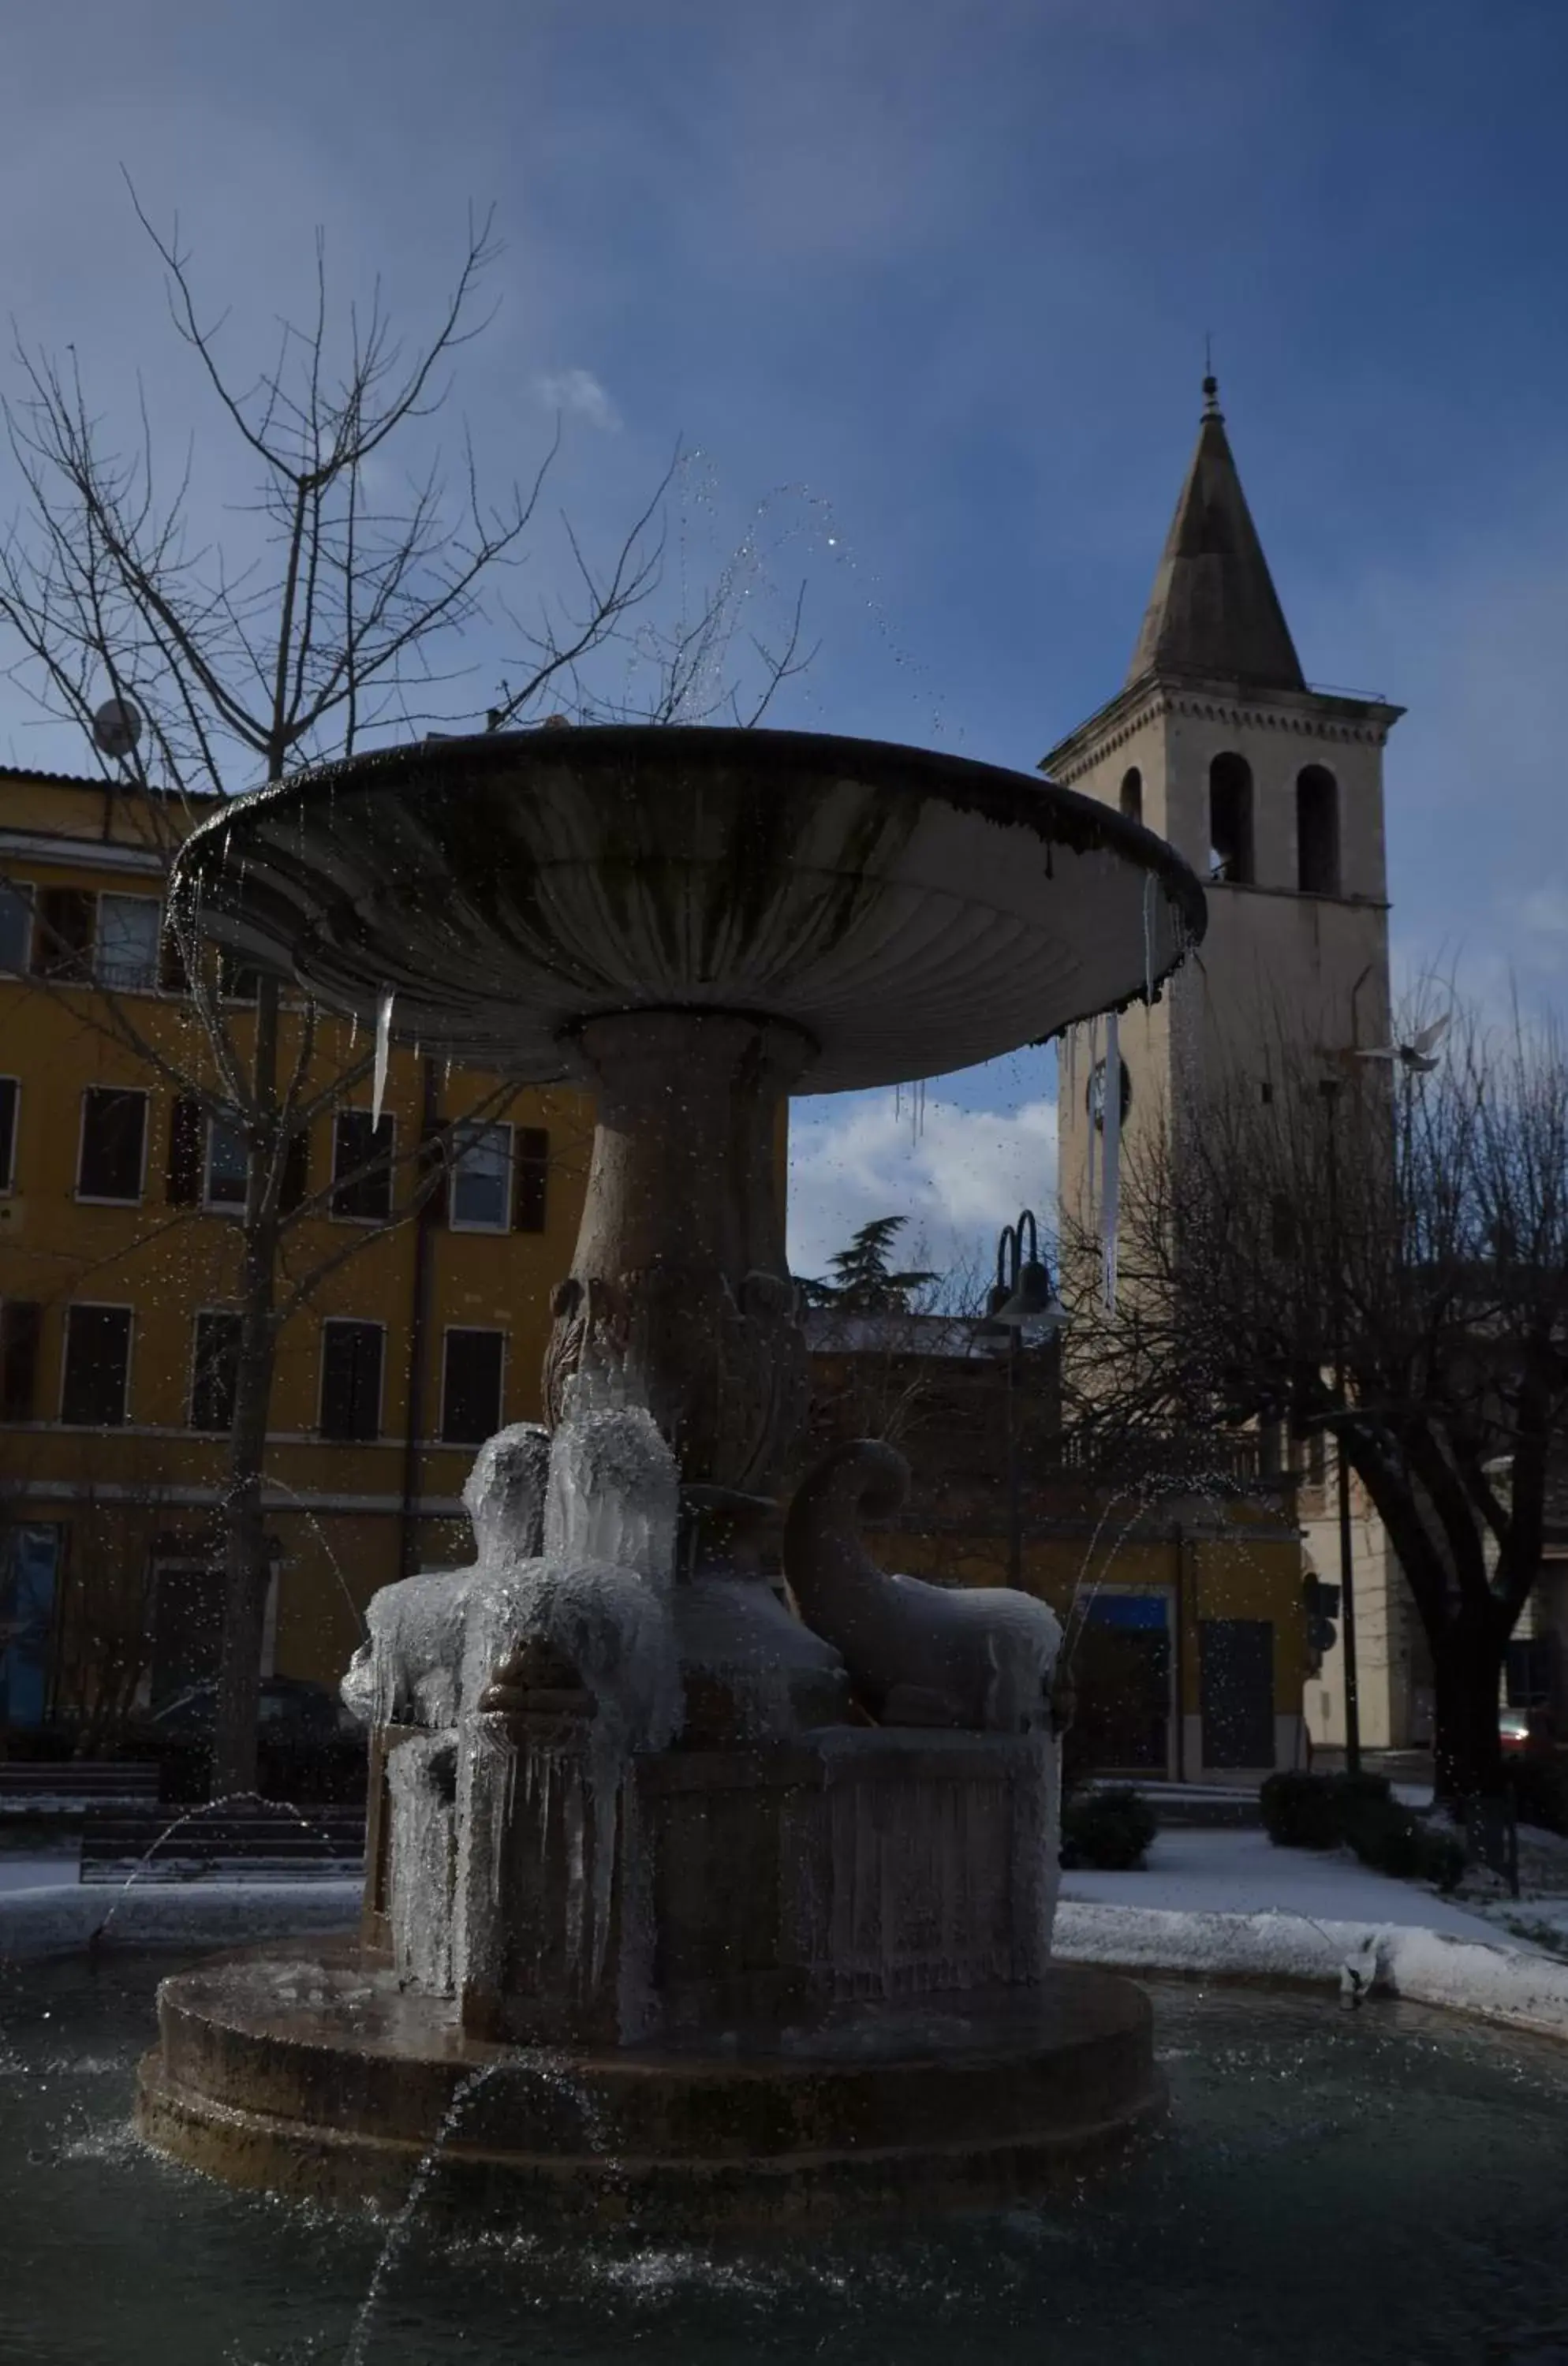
(1110, 1829)
(1390, 1839)
(1312, 1811)
(1541, 1792)
(1324, 1811)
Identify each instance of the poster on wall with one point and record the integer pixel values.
(29, 1565)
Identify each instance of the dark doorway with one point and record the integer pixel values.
(1237, 1691)
(1122, 1675)
(188, 1631)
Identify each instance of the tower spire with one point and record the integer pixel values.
(1214, 612)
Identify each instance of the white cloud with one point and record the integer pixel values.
(1544, 912)
(959, 1175)
(578, 393)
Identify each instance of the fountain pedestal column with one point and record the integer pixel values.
(679, 1296)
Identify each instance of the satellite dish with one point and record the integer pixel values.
(116, 727)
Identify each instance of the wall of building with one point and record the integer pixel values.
(104, 1509)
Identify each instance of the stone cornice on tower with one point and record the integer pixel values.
(1309, 714)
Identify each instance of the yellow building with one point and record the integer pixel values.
(417, 1334)
(1182, 1603)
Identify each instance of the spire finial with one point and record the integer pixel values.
(1211, 383)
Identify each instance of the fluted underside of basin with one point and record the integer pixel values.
(909, 913)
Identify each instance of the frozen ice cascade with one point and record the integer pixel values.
(575, 1563)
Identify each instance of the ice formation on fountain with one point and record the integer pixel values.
(571, 1649)
(982, 1658)
(406, 1672)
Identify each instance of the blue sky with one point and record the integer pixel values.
(931, 281)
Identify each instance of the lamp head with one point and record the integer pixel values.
(1033, 1303)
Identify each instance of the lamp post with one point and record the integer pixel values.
(1023, 1297)
(1330, 1090)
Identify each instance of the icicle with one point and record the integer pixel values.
(1094, 1114)
(1111, 1165)
(383, 1052)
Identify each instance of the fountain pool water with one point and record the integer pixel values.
(1382, 2189)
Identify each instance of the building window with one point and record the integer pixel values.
(97, 1366)
(114, 1135)
(21, 1323)
(1131, 796)
(62, 934)
(362, 1167)
(470, 1386)
(1094, 1094)
(1317, 832)
(237, 982)
(126, 949)
(351, 1380)
(227, 1166)
(1230, 820)
(532, 1196)
(16, 924)
(10, 1102)
(214, 1371)
(478, 1200)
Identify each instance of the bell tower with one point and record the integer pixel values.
(1273, 790)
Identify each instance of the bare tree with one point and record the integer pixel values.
(332, 613)
(1379, 1252)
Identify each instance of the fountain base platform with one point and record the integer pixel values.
(306, 2069)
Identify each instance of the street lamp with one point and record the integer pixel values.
(1023, 1298)
(1329, 1088)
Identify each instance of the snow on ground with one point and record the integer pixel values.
(60, 1920)
(37, 1868)
(1228, 1872)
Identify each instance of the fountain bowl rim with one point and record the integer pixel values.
(1058, 815)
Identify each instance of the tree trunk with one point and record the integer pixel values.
(1467, 1666)
(247, 1571)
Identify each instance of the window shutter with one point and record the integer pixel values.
(97, 1366)
(531, 1203)
(434, 1173)
(173, 977)
(295, 1186)
(113, 1128)
(351, 1380)
(183, 1184)
(470, 1394)
(215, 1378)
(20, 1325)
(62, 935)
(363, 1190)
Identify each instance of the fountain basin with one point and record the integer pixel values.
(309, 2071)
(1362, 2187)
(905, 912)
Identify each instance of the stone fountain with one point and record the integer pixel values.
(677, 1902)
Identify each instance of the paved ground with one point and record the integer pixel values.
(37, 1868)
